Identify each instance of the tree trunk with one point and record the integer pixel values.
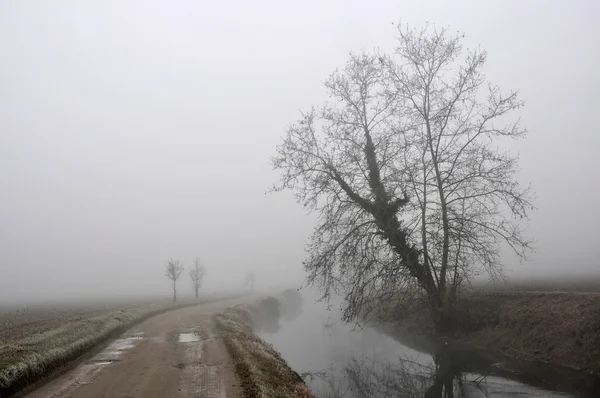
(442, 312)
(174, 292)
(196, 289)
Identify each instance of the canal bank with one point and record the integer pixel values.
(337, 359)
(555, 328)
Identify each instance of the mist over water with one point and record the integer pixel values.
(348, 360)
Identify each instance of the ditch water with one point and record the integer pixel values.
(341, 360)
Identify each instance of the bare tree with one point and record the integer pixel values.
(173, 272)
(402, 168)
(197, 275)
(250, 280)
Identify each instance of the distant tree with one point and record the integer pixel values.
(173, 272)
(250, 280)
(197, 275)
(402, 165)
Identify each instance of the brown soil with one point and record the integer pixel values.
(155, 363)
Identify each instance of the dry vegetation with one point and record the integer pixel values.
(561, 328)
(553, 327)
(589, 282)
(259, 366)
(17, 322)
(36, 342)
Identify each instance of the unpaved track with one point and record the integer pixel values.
(175, 354)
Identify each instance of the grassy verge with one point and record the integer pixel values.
(25, 361)
(259, 366)
(559, 328)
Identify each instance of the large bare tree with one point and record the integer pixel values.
(197, 274)
(173, 272)
(402, 168)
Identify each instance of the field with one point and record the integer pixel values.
(19, 322)
(585, 283)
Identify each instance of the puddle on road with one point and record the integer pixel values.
(101, 363)
(193, 345)
(86, 372)
(113, 352)
(188, 337)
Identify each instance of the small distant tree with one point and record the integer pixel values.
(197, 275)
(250, 280)
(173, 272)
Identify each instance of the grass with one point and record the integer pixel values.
(554, 327)
(259, 366)
(576, 283)
(25, 360)
(18, 322)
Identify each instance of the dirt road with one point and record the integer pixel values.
(175, 354)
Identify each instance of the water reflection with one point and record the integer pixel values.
(340, 360)
(266, 317)
(291, 304)
(446, 373)
(368, 377)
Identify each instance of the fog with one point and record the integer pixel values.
(137, 131)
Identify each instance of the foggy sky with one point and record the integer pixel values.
(135, 131)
